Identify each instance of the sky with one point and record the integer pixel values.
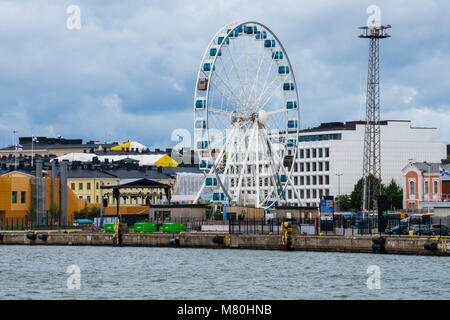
(129, 72)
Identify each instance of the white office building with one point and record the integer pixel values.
(330, 160)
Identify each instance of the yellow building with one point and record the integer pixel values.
(16, 197)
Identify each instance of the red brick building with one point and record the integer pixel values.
(426, 185)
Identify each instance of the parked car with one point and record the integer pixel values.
(400, 229)
(436, 229)
(418, 228)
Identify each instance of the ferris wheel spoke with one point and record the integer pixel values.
(270, 97)
(237, 100)
(260, 62)
(235, 69)
(212, 109)
(271, 113)
(264, 85)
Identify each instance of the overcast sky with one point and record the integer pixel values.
(129, 72)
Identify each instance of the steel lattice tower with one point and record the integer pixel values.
(372, 152)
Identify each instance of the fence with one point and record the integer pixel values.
(341, 225)
(27, 224)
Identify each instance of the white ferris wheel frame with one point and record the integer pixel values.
(215, 161)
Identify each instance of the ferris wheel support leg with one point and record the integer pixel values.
(199, 193)
(288, 176)
(257, 167)
(244, 164)
(271, 168)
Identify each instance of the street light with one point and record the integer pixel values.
(339, 188)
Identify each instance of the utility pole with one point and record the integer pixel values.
(372, 152)
(339, 188)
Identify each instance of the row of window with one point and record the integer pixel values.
(314, 153)
(311, 180)
(412, 188)
(309, 193)
(81, 186)
(320, 137)
(23, 196)
(311, 166)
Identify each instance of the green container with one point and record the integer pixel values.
(145, 227)
(109, 227)
(173, 227)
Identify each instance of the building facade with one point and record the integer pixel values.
(330, 156)
(426, 185)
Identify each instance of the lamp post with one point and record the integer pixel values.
(339, 188)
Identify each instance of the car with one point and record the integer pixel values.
(418, 228)
(436, 229)
(400, 229)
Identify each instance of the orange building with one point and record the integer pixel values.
(16, 197)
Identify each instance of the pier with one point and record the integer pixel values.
(415, 245)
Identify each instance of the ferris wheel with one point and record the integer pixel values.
(246, 118)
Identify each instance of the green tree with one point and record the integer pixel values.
(356, 195)
(394, 195)
(54, 214)
(343, 202)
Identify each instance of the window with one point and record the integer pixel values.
(314, 153)
(435, 187)
(320, 166)
(302, 167)
(96, 199)
(308, 166)
(80, 186)
(88, 186)
(427, 189)
(327, 152)
(320, 180)
(23, 196)
(308, 180)
(314, 168)
(308, 194)
(302, 181)
(412, 188)
(72, 186)
(307, 153)
(314, 181)
(14, 197)
(302, 194)
(295, 180)
(314, 194)
(80, 197)
(88, 198)
(327, 179)
(320, 153)
(96, 186)
(302, 153)
(327, 166)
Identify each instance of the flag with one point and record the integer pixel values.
(14, 131)
(19, 147)
(444, 172)
(60, 136)
(35, 139)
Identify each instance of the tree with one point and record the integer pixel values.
(356, 195)
(54, 213)
(343, 202)
(394, 194)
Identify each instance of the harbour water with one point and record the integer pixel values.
(39, 272)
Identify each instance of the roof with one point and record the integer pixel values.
(428, 167)
(130, 145)
(136, 183)
(159, 160)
